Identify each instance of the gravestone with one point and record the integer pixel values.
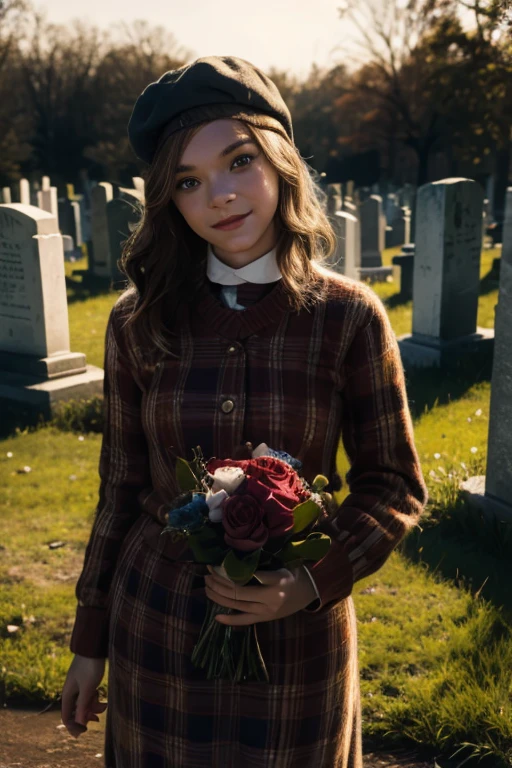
(25, 192)
(347, 258)
(447, 276)
(403, 271)
(45, 183)
(6, 195)
(372, 241)
(334, 202)
(47, 200)
(492, 492)
(400, 233)
(101, 195)
(37, 367)
(373, 233)
(506, 248)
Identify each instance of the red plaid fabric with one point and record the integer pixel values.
(300, 382)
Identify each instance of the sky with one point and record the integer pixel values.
(287, 34)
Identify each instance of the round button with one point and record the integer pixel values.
(227, 406)
(232, 349)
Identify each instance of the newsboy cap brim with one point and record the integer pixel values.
(236, 86)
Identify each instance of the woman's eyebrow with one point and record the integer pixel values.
(226, 151)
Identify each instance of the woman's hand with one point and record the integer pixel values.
(282, 593)
(80, 697)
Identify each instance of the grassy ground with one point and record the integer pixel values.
(434, 623)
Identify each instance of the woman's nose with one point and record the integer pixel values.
(219, 196)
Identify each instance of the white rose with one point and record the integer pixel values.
(214, 500)
(227, 478)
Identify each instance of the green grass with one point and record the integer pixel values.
(435, 647)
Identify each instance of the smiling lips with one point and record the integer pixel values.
(230, 220)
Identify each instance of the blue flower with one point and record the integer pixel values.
(189, 518)
(296, 464)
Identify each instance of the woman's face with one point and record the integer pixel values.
(224, 180)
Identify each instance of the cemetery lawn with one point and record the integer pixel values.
(435, 647)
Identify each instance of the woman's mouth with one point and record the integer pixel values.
(232, 222)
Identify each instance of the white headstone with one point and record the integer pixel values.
(25, 191)
(33, 300)
(45, 182)
(347, 257)
(6, 195)
(48, 201)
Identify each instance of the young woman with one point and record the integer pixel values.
(231, 331)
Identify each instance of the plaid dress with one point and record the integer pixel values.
(300, 382)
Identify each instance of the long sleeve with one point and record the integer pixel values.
(387, 488)
(123, 471)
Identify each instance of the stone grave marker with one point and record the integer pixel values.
(446, 278)
(101, 195)
(492, 492)
(37, 367)
(25, 192)
(6, 195)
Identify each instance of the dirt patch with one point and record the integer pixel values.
(30, 738)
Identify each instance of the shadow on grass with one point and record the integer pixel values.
(427, 387)
(468, 548)
(489, 282)
(81, 289)
(396, 300)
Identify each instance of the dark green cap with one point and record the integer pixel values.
(232, 85)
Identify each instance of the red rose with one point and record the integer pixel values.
(280, 478)
(278, 516)
(244, 523)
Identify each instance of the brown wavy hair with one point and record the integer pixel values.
(165, 260)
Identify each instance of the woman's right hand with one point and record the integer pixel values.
(80, 695)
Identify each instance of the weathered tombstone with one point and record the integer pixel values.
(25, 191)
(6, 195)
(36, 365)
(506, 248)
(347, 258)
(101, 195)
(403, 271)
(47, 200)
(400, 233)
(75, 206)
(122, 216)
(45, 183)
(492, 492)
(447, 276)
(67, 224)
(372, 243)
(333, 199)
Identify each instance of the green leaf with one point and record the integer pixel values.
(207, 546)
(304, 514)
(239, 569)
(315, 547)
(186, 479)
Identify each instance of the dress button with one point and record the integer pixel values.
(231, 349)
(227, 406)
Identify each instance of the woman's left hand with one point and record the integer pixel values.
(282, 593)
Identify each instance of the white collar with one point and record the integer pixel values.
(262, 270)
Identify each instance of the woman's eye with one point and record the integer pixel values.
(180, 184)
(241, 157)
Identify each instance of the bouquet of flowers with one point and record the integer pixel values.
(239, 516)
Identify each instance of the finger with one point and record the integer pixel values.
(241, 605)
(69, 697)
